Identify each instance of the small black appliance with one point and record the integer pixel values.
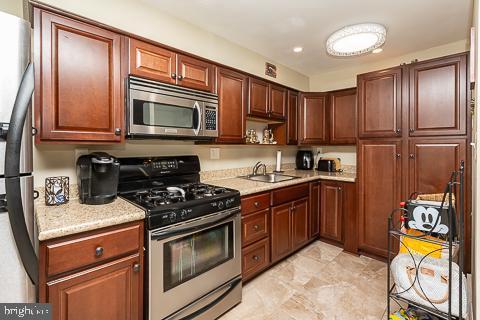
(304, 160)
(328, 165)
(97, 175)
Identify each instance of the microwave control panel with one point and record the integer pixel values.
(210, 119)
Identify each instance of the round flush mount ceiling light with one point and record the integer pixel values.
(356, 39)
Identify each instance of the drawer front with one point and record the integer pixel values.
(256, 257)
(255, 227)
(79, 252)
(290, 194)
(255, 203)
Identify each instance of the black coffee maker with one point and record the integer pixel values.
(97, 175)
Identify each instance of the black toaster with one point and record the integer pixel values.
(326, 165)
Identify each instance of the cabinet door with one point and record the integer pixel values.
(194, 73)
(278, 101)
(438, 97)
(281, 232)
(343, 116)
(379, 179)
(300, 223)
(432, 161)
(78, 81)
(232, 94)
(380, 103)
(258, 98)
(331, 213)
(315, 203)
(111, 291)
(292, 117)
(313, 119)
(150, 61)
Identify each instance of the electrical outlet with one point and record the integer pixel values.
(78, 153)
(214, 153)
(318, 150)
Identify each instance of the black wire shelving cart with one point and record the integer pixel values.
(450, 242)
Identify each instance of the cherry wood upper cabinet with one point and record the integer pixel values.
(380, 103)
(278, 101)
(232, 95)
(258, 98)
(343, 116)
(292, 117)
(194, 73)
(432, 161)
(300, 225)
(110, 291)
(281, 231)
(379, 180)
(315, 206)
(150, 61)
(78, 81)
(313, 119)
(331, 213)
(438, 96)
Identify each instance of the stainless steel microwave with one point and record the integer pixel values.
(166, 111)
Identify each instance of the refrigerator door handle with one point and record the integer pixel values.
(12, 175)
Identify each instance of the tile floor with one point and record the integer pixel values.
(319, 282)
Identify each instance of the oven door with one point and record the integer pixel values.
(158, 114)
(188, 261)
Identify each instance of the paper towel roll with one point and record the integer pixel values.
(278, 166)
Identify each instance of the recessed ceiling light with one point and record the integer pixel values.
(297, 49)
(356, 39)
(378, 50)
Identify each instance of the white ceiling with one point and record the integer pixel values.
(273, 27)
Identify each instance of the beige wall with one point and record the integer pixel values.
(149, 22)
(14, 7)
(346, 78)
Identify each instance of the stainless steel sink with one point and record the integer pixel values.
(269, 177)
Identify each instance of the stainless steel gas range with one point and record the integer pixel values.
(193, 237)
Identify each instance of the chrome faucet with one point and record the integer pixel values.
(257, 166)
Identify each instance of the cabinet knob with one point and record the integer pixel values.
(256, 227)
(98, 251)
(136, 267)
(398, 131)
(339, 188)
(398, 155)
(174, 75)
(256, 204)
(180, 77)
(256, 258)
(118, 131)
(412, 130)
(411, 156)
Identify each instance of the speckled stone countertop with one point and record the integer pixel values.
(74, 217)
(249, 187)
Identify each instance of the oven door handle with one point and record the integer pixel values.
(212, 304)
(198, 225)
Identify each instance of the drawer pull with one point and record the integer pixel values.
(256, 227)
(98, 251)
(256, 204)
(256, 258)
(136, 267)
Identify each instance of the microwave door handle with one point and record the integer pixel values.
(196, 109)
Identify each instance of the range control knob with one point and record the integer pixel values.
(220, 205)
(173, 216)
(228, 203)
(183, 214)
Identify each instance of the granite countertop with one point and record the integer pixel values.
(249, 187)
(74, 217)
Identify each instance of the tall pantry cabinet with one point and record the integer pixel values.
(413, 126)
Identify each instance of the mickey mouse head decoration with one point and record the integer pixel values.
(425, 219)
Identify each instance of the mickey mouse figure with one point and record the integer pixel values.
(425, 219)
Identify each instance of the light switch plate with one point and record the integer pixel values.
(214, 153)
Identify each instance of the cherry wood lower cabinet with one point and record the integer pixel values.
(106, 280)
(315, 206)
(380, 181)
(331, 213)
